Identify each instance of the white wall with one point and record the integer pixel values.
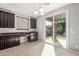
(40, 28)
(73, 24)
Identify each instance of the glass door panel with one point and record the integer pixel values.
(49, 31)
(60, 30)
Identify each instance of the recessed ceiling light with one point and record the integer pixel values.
(36, 12)
(41, 13)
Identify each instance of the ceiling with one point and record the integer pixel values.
(29, 8)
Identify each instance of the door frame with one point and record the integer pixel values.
(67, 26)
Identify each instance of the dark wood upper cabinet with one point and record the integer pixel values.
(33, 23)
(11, 21)
(0, 19)
(7, 20)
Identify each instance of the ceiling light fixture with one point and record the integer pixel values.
(41, 13)
(36, 12)
(40, 10)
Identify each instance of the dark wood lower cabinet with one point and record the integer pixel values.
(16, 40)
(7, 41)
(1, 42)
(33, 36)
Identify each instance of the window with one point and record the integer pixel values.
(22, 23)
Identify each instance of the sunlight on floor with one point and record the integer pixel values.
(62, 42)
(48, 50)
(49, 39)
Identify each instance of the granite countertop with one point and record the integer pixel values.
(14, 33)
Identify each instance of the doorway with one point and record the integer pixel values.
(57, 29)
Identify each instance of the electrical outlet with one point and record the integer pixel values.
(76, 46)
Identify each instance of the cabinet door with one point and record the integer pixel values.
(1, 42)
(7, 20)
(12, 23)
(0, 19)
(3, 19)
(4, 22)
(33, 36)
(16, 40)
(8, 41)
(11, 20)
(33, 23)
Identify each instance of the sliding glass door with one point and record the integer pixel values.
(56, 30)
(60, 29)
(49, 31)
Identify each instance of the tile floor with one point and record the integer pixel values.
(37, 48)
